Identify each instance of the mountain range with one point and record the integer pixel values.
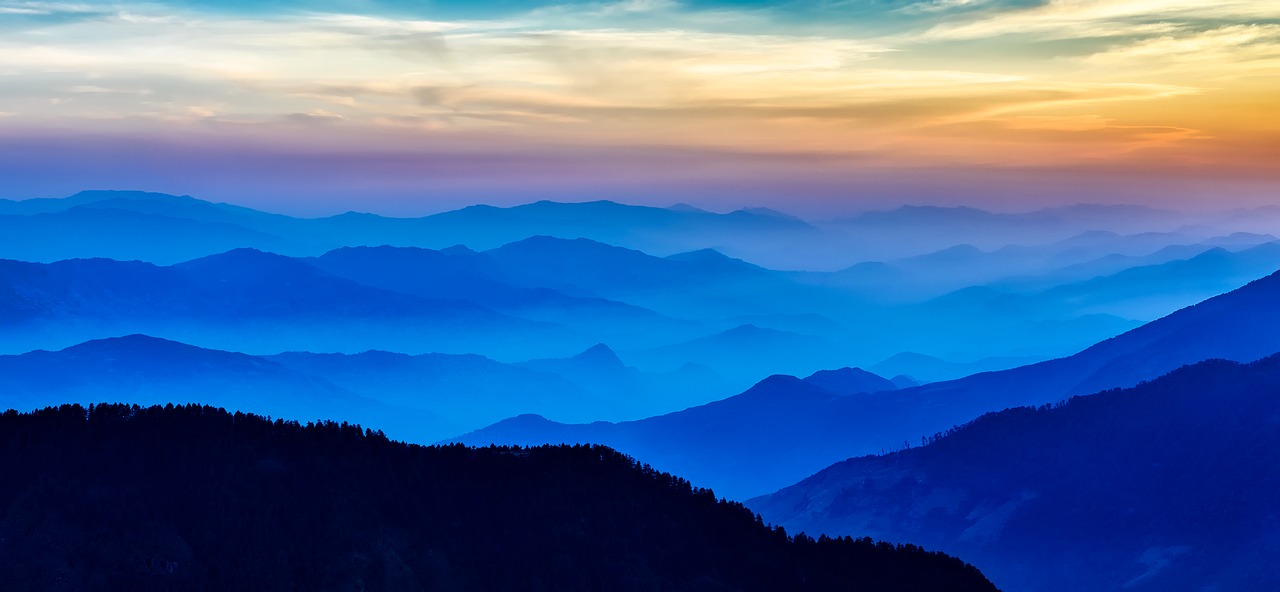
(118, 497)
(785, 429)
(1168, 486)
(420, 398)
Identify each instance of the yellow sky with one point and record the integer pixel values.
(1149, 85)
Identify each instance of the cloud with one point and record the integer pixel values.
(1073, 19)
(981, 86)
(1224, 51)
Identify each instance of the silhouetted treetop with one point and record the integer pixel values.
(117, 497)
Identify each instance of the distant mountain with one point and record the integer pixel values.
(607, 270)
(753, 443)
(177, 206)
(933, 369)
(148, 371)
(915, 230)
(738, 446)
(126, 234)
(1144, 291)
(421, 398)
(466, 390)
(564, 276)
(654, 230)
(849, 381)
(632, 393)
(236, 502)
(903, 381)
(1168, 486)
(458, 273)
(743, 351)
(244, 300)
(166, 229)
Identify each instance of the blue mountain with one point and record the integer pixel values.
(784, 429)
(166, 229)
(150, 371)
(1168, 486)
(243, 300)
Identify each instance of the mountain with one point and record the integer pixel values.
(458, 273)
(465, 390)
(147, 370)
(599, 268)
(784, 429)
(739, 446)
(649, 229)
(421, 398)
(243, 300)
(744, 351)
(849, 381)
(1028, 268)
(933, 369)
(122, 234)
(236, 502)
(1168, 486)
(166, 229)
(914, 230)
(630, 392)
(1153, 290)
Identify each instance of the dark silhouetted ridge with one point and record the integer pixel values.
(118, 497)
(1169, 486)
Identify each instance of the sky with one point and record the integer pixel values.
(407, 107)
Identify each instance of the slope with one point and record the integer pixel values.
(1168, 486)
(784, 429)
(235, 502)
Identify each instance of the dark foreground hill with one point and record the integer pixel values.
(117, 497)
(1170, 486)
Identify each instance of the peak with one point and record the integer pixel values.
(241, 255)
(351, 215)
(458, 250)
(781, 387)
(903, 381)
(778, 381)
(549, 204)
(849, 381)
(705, 256)
(246, 263)
(135, 338)
(597, 350)
(684, 207)
(846, 371)
(556, 244)
(548, 240)
(105, 194)
(962, 248)
(135, 343)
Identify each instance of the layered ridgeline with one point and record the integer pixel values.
(167, 229)
(419, 398)
(785, 429)
(191, 498)
(545, 298)
(543, 281)
(1166, 487)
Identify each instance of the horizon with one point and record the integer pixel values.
(800, 106)
(821, 215)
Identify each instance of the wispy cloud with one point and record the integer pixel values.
(1070, 19)
(1064, 81)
